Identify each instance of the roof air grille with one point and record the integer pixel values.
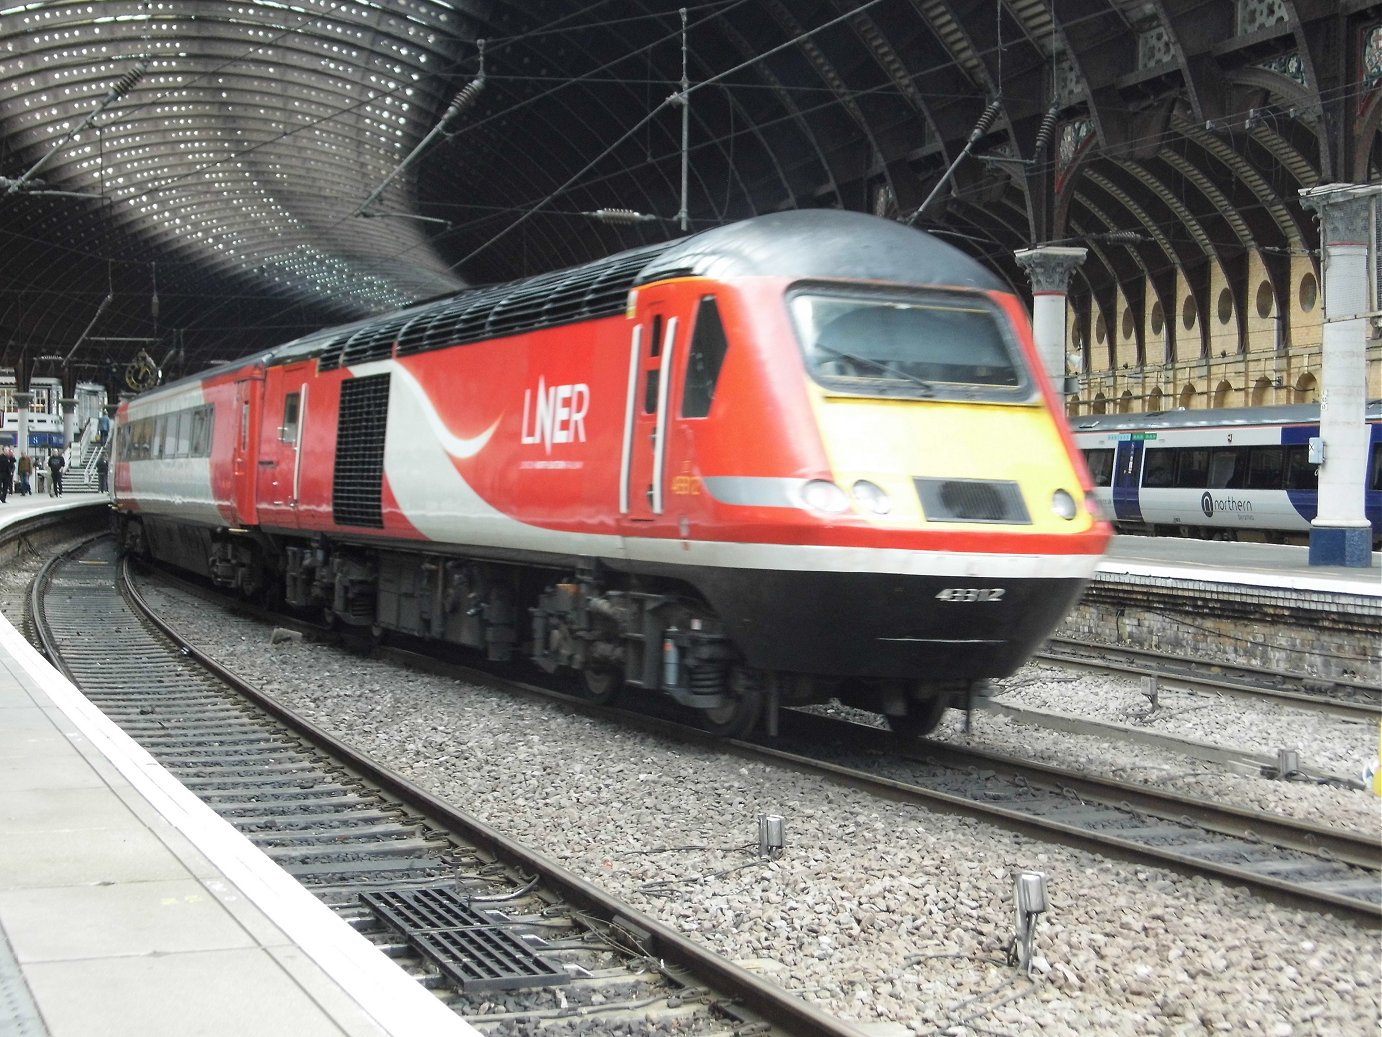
(329, 359)
(374, 342)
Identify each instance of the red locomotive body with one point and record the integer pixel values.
(807, 455)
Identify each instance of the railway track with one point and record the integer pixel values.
(1352, 699)
(1277, 856)
(502, 935)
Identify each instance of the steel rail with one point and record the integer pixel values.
(1170, 677)
(1250, 826)
(1329, 845)
(765, 1000)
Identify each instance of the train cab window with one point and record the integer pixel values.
(1159, 468)
(288, 431)
(708, 347)
(1100, 466)
(917, 345)
(1265, 465)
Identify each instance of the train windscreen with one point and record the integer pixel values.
(918, 345)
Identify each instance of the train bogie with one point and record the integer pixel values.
(657, 472)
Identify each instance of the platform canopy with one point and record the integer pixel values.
(193, 179)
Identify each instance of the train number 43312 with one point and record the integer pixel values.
(971, 594)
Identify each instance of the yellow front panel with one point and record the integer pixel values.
(890, 442)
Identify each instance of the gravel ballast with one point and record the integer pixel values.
(890, 915)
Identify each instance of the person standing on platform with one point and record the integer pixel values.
(55, 466)
(102, 468)
(25, 469)
(6, 473)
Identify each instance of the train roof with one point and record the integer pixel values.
(797, 244)
(1287, 414)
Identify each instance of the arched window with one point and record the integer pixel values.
(1125, 402)
(1221, 394)
(1307, 389)
(1187, 397)
(1154, 400)
(1261, 391)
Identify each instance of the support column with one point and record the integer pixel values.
(22, 402)
(1050, 268)
(69, 409)
(1340, 533)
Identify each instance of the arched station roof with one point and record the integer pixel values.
(196, 179)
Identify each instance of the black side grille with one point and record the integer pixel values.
(972, 500)
(470, 947)
(359, 475)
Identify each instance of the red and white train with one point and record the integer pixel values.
(807, 455)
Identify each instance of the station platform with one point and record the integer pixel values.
(127, 907)
(1280, 567)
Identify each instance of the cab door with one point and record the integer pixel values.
(279, 464)
(652, 355)
(245, 418)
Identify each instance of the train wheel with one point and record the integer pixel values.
(737, 717)
(921, 718)
(602, 686)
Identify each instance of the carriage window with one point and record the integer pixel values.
(201, 432)
(1265, 467)
(1300, 473)
(1192, 467)
(708, 346)
(182, 438)
(917, 345)
(1375, 479)
(1100, 466)
(288, 431)
(1227, 469)
(1158, 469)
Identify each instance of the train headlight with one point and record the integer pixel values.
(1063, 505)
(871, 498)
(824, 495)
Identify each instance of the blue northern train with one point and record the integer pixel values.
(1234, 474)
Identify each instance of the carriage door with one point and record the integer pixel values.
(1127, 479)
(280, 444)
(643, 479)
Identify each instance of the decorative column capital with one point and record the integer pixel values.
(1050, 267)
(1343, 211)
(23, 399)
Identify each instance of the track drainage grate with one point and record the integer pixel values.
(470, 948)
